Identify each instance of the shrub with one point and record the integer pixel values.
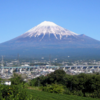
(12, 92)
(67, 91)
(53, 88)
(16, 79)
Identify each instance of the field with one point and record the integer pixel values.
(40, 95)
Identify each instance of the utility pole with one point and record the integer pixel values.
(18, 59)
(49, 59)
(2, 64)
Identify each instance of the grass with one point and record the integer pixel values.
(41, 95)
(33, 88)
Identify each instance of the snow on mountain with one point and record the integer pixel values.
(49, 35)
(48, 28)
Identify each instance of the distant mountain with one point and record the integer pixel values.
(48, 35)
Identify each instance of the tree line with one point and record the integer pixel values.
(87, 85)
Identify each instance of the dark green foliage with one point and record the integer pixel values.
(83, 84)
(41, 95)
(53, 88)
(13, 92)
(16, 79)
(34, 82)
(56, 77)
(87, 85)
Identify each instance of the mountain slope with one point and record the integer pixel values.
(49, 38)
(48, 28)
(48, 34)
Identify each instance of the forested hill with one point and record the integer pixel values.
(60, 82)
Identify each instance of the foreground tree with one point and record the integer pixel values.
(16, 79)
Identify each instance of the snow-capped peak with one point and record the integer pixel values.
(48, 28)
(47, 23)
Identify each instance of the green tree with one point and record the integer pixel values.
(16, 79)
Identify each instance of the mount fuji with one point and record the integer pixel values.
(48, 35)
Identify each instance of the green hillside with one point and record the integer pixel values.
(40, 95)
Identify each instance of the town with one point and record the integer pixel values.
(35, 68)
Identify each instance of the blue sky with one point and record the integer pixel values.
(79, 16)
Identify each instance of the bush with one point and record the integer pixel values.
(79, 93)
(16, 79)
(53, 88)
(67, 91)
(12, 92)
